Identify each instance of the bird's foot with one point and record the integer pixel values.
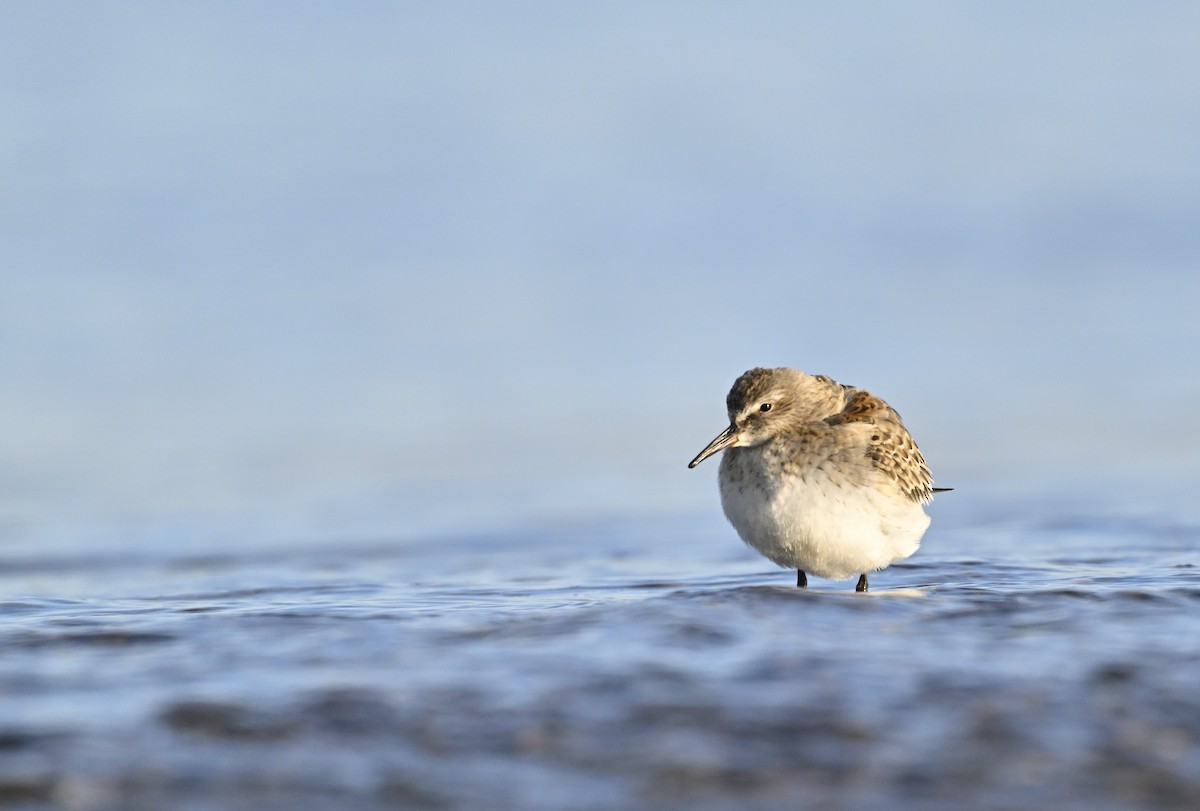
(862, 583)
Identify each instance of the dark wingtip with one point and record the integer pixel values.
(942, 489)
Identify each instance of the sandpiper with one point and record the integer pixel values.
(820, 477)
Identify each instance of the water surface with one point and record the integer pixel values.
(646, 662)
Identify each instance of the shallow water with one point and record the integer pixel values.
(647, 662)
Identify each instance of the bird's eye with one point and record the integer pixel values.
(765, 407)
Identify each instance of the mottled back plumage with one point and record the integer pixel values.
(891, 447)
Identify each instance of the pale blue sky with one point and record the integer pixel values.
(342, 265)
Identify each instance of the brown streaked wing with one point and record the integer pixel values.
(861, 406)
(890, 447)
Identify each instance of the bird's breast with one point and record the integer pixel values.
(816, 514)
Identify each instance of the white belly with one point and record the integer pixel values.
(829, 527)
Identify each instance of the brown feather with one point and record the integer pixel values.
(890, 447)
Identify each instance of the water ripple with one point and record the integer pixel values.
(359, 681)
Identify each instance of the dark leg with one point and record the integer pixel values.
(862, 583)
(801, 580)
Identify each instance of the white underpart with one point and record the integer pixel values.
(826, 526)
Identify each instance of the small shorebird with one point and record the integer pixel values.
(820, 477)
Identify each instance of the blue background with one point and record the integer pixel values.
(317, 270)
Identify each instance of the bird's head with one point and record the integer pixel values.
(760, 403)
